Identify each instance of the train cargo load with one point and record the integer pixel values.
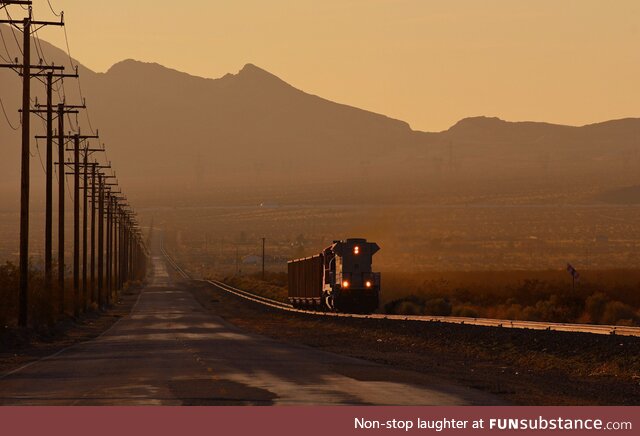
(340, 278)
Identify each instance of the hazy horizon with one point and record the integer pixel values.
(431, 63)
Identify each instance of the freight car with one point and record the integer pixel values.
(339, 278)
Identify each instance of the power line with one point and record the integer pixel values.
(40, 157)
(39, 46)
(66, 178)
(6, 117)
(86, 112)
(4, 43)
(38, 51)
(13, 32)
(52, 11)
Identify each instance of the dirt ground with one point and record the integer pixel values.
(522, 367)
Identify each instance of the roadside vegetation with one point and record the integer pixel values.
(41, 310)
(45, 320)
(601, 297)
(273, 286)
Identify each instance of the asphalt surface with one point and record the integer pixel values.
(170, 351)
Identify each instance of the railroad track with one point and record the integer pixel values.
(489, 322)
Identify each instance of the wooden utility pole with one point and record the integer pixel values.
(48, 232)
(103, 238)
(121, 253)
(84, 228)
(109, 256)
(117, 264)
(76, 225)
(24, 70)
(24, 175)
(62, 109)
(93, 233)
(61, 195)
(263, 241)
(100, 239)
(77, 304)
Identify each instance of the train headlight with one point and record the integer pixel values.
(345, 283)
(368, 283)
(356, 250)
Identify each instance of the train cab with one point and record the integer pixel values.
(350, 285)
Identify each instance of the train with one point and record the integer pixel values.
(339, 278)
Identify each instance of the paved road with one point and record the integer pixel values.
(170, 351)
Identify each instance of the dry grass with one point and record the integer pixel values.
(601, 297)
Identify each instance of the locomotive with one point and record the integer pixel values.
(339, 278)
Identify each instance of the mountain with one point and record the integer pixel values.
(171, 135)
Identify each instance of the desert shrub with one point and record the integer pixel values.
(438, 307)
(413, 305)
(513, 311)
(616, 312)
(553, 309)
(465, 311)
(530, 313)
(408, 308)
(40, 300)
(267, 288)
(595, 306)
(410, 305)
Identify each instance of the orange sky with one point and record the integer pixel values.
(428, 62)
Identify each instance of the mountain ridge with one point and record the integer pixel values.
(167, 130)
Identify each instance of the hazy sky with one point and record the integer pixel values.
(428, 62)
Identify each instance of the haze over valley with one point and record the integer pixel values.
(250, 137)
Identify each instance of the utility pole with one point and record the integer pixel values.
(100, 238)
(24, 181)
(117, 249)
(88, 285)
(122, 257)
(84, 229)
(25, 71)
(103, 238)
(48, 244)
(76, 222)
(129, 246)
(61, 111)
(76, 225)
(263, 240)
(48, 232)
(61, 183)
(109, 256)
(93, 232)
